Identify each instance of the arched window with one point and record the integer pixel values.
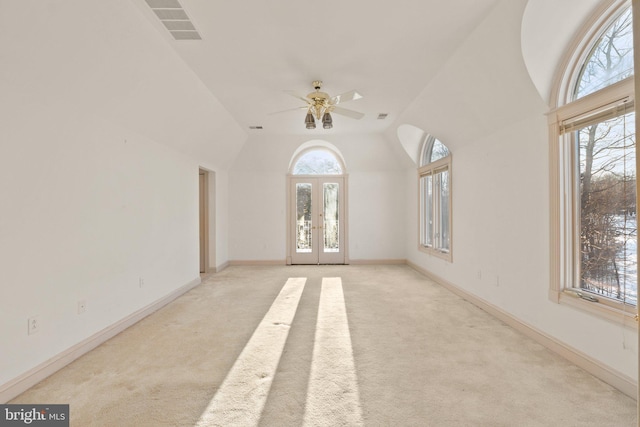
(317, 162)
(593, 164)
(435, 198)
(610, 59)
(433, 150)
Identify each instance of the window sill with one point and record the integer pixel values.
(615, 313)
(443, 255)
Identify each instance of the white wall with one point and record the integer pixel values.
(103, 132)
(258, 197)
(499, 140)
(222, 219)
(88, 209)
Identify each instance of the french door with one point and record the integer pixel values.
(317, 213)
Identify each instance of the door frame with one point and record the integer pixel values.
(203, 214)
(291, 202)
(207, 220)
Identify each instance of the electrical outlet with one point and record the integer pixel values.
(82, 306)
(33, 325)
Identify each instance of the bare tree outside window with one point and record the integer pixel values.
(317, 162)
(438, 151)
(610, 60)
(608, 223)
(607, 175)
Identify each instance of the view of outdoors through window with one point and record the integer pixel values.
(443, 235)
(303, 216)
(611, 59)
(608, 222)
(317, 162)
(438, 151)
(607, 174)
(331, 223)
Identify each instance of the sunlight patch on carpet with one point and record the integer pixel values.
(332, 394)
(241, 398)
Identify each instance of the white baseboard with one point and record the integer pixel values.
(377, 261)
(352, 262)
(599, 370)
(33, 376)
(221, 267)
(258, 262)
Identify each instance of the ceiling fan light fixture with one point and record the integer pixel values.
(320, 105)
(327, 121)
(310, 121)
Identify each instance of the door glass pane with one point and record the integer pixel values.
(330, 214)
(303, 218)
(608, 227)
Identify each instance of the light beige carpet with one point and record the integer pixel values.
(373, 345)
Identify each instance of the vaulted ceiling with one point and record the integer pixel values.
(453, 69)
(250, 53)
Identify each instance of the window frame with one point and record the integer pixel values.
(564, 216)
(432, 169)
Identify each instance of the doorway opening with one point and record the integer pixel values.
(206, 214)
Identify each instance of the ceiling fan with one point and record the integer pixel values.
(321, 105)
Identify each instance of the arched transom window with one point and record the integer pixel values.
(317, 162)
(433, 150)
(610, 59)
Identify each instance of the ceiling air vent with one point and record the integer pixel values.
(175, 19)
(382, 116)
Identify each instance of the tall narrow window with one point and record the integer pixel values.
(596, 231)
(435, 199)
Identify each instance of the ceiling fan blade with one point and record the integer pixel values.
(297, 95)
(345, 97)
(287, 110)
(349, 113)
